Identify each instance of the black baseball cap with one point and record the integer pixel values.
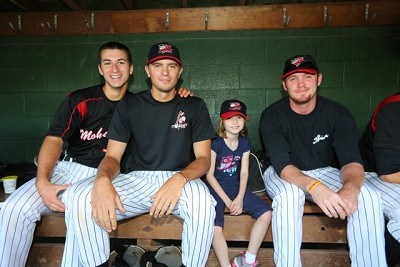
(300, 63)
(163, 51)
(232, 108)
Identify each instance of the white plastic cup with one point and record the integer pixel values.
(9, 183)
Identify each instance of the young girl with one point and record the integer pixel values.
(227, 180)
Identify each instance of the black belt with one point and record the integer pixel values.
(68, 158)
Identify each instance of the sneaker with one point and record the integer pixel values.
(240, 261)
(132, 255)
(170, 256)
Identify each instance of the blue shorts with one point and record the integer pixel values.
(252, 204)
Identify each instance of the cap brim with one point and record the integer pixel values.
(309, 71)
(164, 57)
(230, 114)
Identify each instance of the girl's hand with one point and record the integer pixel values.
(236, 207)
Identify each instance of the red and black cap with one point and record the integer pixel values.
(164, 51)
(300, 63)
(232, 108)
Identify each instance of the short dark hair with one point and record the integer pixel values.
(116, 45)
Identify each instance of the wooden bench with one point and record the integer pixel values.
(324, 239)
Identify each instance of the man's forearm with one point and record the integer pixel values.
(353, 176)
(48, 157)
(292, 174)
(391, 178)
(109, 167)
(196, 168)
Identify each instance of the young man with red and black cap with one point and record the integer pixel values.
(170, 138)
(312, 143)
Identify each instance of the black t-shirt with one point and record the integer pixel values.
(82, 120)
(381, 150)
(161, 134)
(319, 139)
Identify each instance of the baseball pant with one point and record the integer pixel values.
(390, 194)
(24, 207)
(365, 227)
(87, 244)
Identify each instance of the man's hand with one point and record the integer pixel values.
(331, 203)
(350, 196)
(165, 199)
(49, 192)
(184, 92)
(105, 200)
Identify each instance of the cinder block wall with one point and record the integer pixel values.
(360, 66)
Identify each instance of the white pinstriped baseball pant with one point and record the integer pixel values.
(87, 244)
(365, 228)
(390, 194)
(24, 207)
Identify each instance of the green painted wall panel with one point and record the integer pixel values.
(360, 66)
(22, 80)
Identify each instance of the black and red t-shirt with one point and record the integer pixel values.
(82, 121)
(380, 142)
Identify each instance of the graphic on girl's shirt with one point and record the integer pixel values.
(229, 164)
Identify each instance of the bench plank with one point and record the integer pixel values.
(316, 228)
(49, 255)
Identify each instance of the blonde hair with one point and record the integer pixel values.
(221, 132)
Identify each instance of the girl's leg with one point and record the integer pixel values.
(220, 247)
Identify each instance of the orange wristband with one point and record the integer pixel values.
(311, 187)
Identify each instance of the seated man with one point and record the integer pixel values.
(170, 139)
(83, 113)
(380, 149)
(303, 134)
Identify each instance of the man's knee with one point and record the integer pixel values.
(368, 195)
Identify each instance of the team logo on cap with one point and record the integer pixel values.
(235, 106)
(164, 48)
(297, 61)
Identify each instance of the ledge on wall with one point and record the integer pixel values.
(290, 16)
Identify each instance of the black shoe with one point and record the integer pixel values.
(132, 255)
(169, 256)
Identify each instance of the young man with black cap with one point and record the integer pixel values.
(304, 135)
(170, 138)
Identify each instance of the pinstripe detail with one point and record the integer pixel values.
(91, 243)
(365, 228)
(23, 208)
(390, 193)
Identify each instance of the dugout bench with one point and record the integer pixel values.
(324, 239)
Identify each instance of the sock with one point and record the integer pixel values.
(250, 258)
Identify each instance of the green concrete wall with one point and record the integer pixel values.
(360, 66)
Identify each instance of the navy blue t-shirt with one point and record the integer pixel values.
(228, 162)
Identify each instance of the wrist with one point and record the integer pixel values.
(184, 177)
(312, 185)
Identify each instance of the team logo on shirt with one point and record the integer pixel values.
(320, 138)
(229, 164)
(180, 121)
(87, 135)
